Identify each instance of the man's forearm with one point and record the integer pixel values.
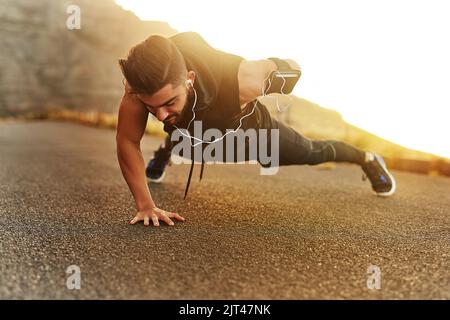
(253, 76)
(133, 170)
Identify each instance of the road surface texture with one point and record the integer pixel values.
(305, 233)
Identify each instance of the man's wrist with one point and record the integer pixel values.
(140, 206)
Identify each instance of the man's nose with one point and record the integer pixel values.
(162, 114)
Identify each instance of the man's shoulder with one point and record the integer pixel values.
(189, 37)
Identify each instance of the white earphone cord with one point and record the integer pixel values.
(264, 93)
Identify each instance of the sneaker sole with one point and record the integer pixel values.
(394, 185)
(159, 180)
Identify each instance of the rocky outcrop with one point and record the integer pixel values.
(44, 65)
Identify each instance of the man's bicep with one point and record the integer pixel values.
(252, 76)
(132, 119)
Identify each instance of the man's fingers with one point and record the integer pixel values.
(134, 220)
(166, 219)
(155, 220)
(176, 216)
(161, 215)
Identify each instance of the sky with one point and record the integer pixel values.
(383, 64)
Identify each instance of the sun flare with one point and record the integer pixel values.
(382, 64)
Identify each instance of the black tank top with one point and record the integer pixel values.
(216, 83)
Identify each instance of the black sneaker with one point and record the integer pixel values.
(155, 170)
(383, 183)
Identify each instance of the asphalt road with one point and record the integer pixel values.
(305, 233)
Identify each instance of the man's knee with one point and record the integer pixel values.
(321, 151)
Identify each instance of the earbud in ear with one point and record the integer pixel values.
(189, 82)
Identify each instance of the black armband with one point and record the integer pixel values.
(282, 80)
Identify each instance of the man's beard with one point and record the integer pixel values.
(183, 117)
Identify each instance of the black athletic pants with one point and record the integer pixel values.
(294, 148)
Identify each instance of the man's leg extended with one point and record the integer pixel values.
(296, 149)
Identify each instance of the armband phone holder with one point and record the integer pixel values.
(282, 80)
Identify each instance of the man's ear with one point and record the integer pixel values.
(191, 76)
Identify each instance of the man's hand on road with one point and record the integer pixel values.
(155, 215)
